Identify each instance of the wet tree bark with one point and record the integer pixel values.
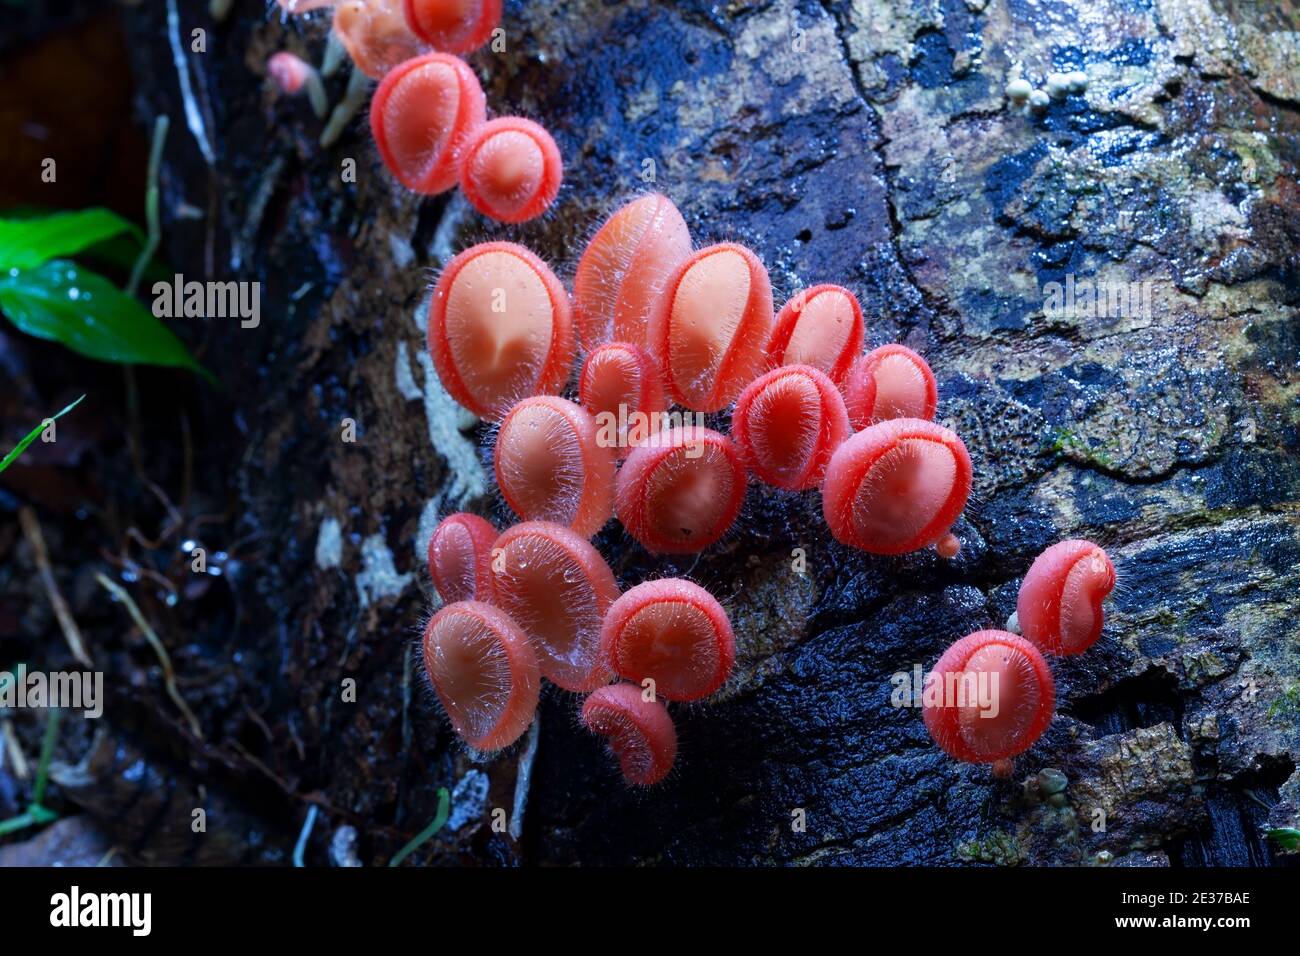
(865, 143)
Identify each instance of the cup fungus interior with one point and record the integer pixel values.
(989, 697)
(681, 490)
(557, 587)
(824, 331)
(539, 464)
(1013, 683)
(788, 422)
(459, 553)
(456, 26)
(498, 326)
(903, 491)
(420, 116)
(624, 269)
(710, 301)
(904, 384)
(484, 671)
(672, 632)
(507, 168)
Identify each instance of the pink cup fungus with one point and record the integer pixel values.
(711, 326)
(1059, 607)
(620, 384)
(499, 328)
(550, 465)
(787, 425)
(421, 116)
(453, 26)
(625, 269)
(680, 490)
(484, 671)
(510, 169)
(460, 550)
(375, 34)
(902, 386)
(821, 327)
(557, 588)
(672, 632)
(897, 486)
(639, 731)
(989, 698)
(292, 75)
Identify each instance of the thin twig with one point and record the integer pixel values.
(169, 675)
(15, 750)
(301, 848)
(523, 779)
(193, 117)
(154, 235)
(71, 633)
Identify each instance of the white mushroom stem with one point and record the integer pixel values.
(355, 98)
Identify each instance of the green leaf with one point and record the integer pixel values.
(31, 435)
(65, 303)
(120, 251)
(26, 243)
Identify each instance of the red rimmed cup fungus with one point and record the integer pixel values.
(1059, 607)
(621, 386)
(680, 490)
(711, 326)
(821, 327)
(989, 697)
(625, 269)
(787, 425)
(671, 632)
(510, 169)
(639, 731)
(484, 671)
(550, 465)
(375, 34)
(896, 487)
(460, 549)
(499, 328)
(454, 26)
(555, 585)
(421, 116)
(889, 382)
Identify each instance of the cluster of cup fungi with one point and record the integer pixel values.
(429, 113)
(659, 324)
